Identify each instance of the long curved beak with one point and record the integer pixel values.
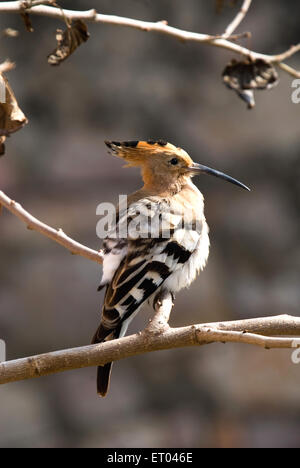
(197, 169)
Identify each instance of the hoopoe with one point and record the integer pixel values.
(171, 245)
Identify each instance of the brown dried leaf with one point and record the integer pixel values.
(27, 21)
(248, 75)
(12, 118)
(68, 41)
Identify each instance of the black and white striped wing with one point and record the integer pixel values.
(145, 262)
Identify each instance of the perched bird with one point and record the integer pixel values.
(159, 241)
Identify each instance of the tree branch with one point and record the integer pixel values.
(290, 70)
(252, 331)
(163, 306)
(159, 27)
(238, 19)
(57, 235)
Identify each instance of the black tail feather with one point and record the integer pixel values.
(103, 378)
(101, 334)
(103, 372)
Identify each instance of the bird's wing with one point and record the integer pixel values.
(156, 246)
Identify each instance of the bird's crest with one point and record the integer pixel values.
(139, 153)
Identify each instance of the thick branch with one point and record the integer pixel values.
(160, 27)
(145, 342)
(56, 235)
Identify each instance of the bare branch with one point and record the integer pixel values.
(270, 326)
(163, 306)
(7, 66)
(238, 19)
(145, 342)
(55, 234)
(289, 69)
(287, 54)
(161, 27)
(27, 4)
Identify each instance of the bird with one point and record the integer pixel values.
(159, 241)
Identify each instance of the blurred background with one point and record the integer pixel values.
(126, 84)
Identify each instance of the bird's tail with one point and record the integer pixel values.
(103, 378)
(103, 372)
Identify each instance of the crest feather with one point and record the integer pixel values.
(137, 152)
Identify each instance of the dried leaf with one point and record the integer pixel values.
(68, 41)
(248, 75)
(12, 118)
(27, 21)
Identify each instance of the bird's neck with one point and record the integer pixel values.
(188, 197)
(162, 184)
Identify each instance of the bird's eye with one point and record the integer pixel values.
(174, 161)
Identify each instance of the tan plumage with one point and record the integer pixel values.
(170, 245)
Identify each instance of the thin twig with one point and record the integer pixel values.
(238, 19)
(159, 27)
(141, 343)
(212, 335)
(271, 326)
(289, 70)
(27, 4)
(7, 66)
(56, 235)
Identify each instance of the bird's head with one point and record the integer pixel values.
(162, 163)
